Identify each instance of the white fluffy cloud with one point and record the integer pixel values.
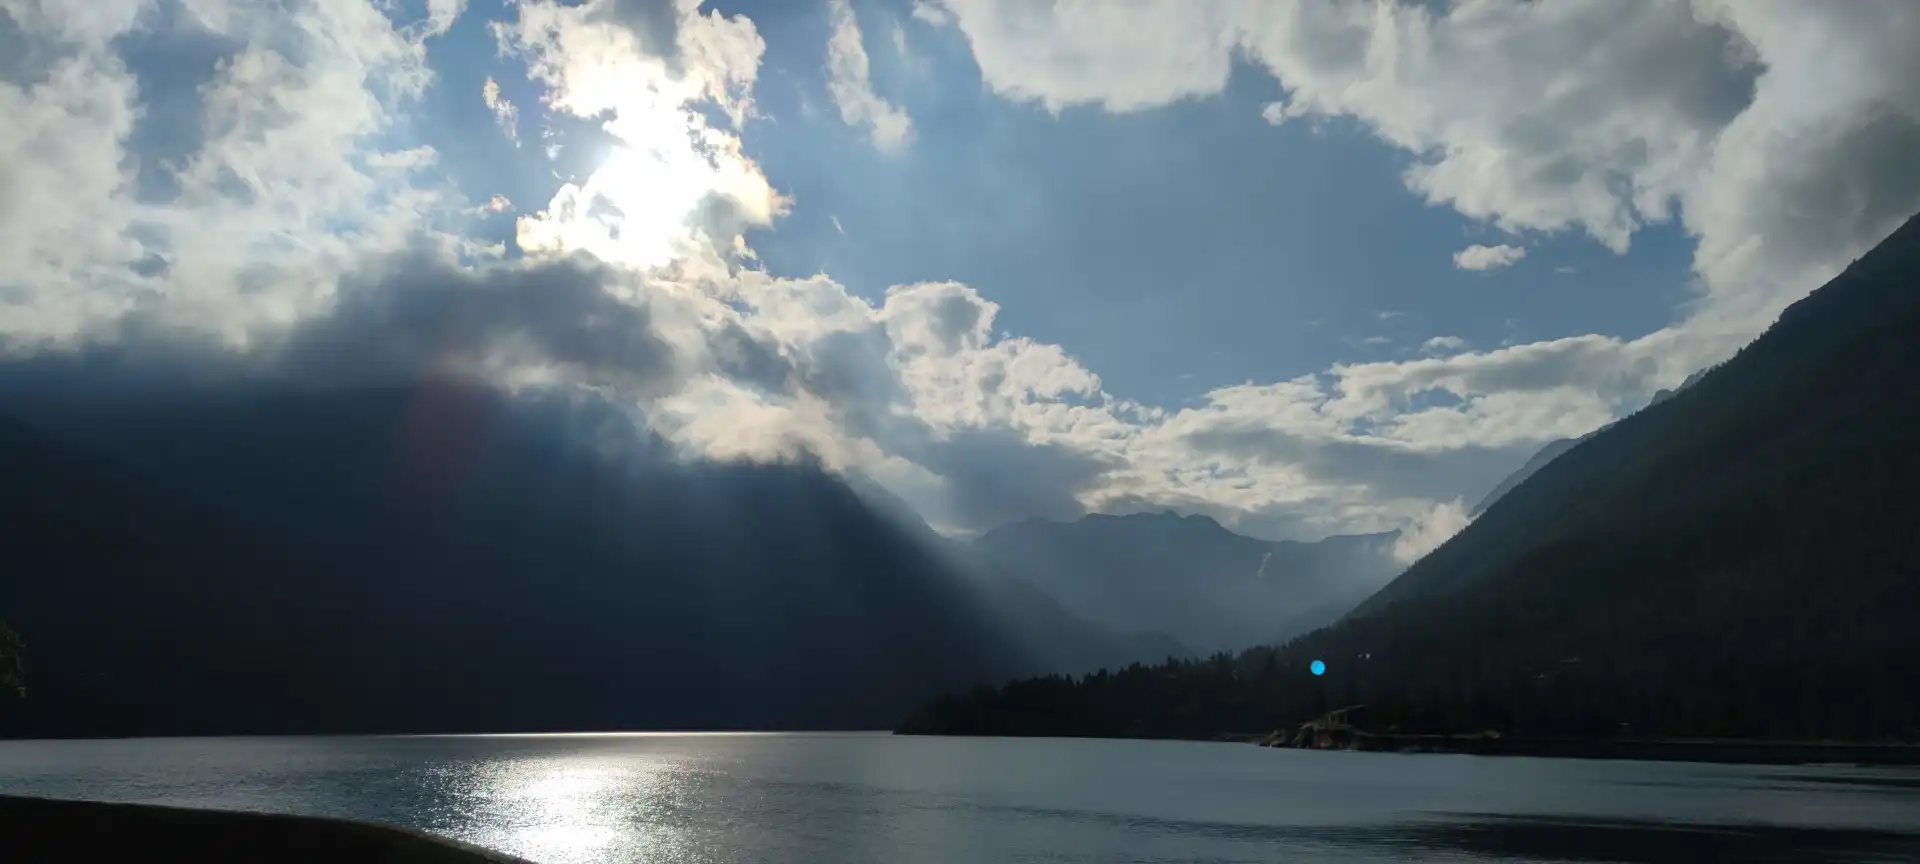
(1778, 132)
(931, 12)
(850, 83)
(504, 111)
(442, 13)
(1428, 530)
(248, 217)
(1477, 257)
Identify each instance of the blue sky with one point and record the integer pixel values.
(1173, 250)
(1307, 267)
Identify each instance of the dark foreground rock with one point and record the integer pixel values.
(42, 831)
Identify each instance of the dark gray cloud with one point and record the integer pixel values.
(1388, 471)
(752, 360)
(421, 313)
(996, 475)
(848, 369)
(655, 23)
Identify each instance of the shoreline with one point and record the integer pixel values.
(1705, 750)
(65, 830)
(1701, 750)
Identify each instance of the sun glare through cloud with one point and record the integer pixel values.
(674, 185)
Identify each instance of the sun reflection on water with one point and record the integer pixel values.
(574, 810)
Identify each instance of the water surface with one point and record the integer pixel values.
(560, 799)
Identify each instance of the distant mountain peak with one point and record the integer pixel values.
(1189, 576)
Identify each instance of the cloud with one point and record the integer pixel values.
(519, 323)
(504, 112)
(1442, 345)
(652, 26)
(1477, 257)
(1430, 530)
(442, 13)
(229, 210)
(1547, 117)
(931, 12)
(849, 82)
(676, 187)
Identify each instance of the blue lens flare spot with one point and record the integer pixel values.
(1318, 667)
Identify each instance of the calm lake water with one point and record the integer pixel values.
(561, 799)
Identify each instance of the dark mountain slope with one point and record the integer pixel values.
(1189, 577)
(441, 558)
(1691, 452)
(1553, 449)
(1547, 453)
(1741, 560)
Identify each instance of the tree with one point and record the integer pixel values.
(12, 670)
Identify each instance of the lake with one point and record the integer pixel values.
(560, 799)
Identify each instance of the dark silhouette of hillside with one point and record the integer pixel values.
(1740, 560)
(1552, 450)
(1189, 577)
(1547, 453)
(270, 558)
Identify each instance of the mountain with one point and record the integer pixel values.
(1547, 453)
(1188, 577)
(1663, 395)
(1554, 448)
(1741, 560)
(246, 557)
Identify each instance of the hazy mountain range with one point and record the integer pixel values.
(1190, 578)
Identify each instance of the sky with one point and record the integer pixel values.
(1308, 267)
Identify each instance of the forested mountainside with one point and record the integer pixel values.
(1741, 560)
(1189, 577)
(237, 559)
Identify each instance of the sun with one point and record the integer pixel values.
(635, 209)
